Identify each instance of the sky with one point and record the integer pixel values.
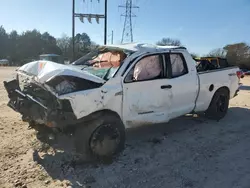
(201, 25)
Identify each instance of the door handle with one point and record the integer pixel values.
(166, 87)
(232, 74)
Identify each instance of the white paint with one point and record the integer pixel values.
(46, 70)
(219, 79)
(184, 90)
(89, 101)
(139, 47)
(144, 102)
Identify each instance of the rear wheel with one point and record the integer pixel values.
(219, 105)
(101, 138)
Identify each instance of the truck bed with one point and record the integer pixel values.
(211, 80)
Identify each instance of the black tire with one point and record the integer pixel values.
(107, 132)
(219, 105)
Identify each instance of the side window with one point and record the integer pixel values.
(178, 65)
(147, 68)
(223, 63)
(214, 63)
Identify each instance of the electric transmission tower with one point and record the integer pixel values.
(127, 34)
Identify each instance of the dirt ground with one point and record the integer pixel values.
(188, 152)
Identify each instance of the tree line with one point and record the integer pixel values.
(27, 46)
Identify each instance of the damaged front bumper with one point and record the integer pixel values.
(49, 111)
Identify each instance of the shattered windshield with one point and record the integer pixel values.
(102, 62)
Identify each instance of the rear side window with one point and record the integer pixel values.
(214, 62)
(178, 65)
(223, 63)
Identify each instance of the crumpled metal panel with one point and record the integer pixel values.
(46, 70)
(65, 87)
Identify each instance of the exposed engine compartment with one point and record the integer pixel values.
(39, 103)
(68, 84)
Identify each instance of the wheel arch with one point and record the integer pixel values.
(221, 88)
(98, 114)
(214, 95)
(105, 112)
(224, 87)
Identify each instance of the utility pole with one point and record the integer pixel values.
(127, 34)
(89, 17)
(112, 37)
(105, 21)
(73, 30)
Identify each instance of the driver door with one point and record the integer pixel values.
(147, 97)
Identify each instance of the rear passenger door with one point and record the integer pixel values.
(184, 85)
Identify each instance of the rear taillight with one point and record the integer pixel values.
(239, 74)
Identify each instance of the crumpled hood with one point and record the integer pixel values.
(45, 70)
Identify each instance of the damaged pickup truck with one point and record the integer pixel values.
(117, 87)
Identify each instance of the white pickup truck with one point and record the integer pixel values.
(118, 87)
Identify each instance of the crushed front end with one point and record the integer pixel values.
(38, 105)
(36, 90)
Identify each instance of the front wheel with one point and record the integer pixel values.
(101, 138)
(219, 105)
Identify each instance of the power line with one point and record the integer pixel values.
(89, 17)
(127, 34)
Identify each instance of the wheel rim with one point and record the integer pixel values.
(105, 140)
(221, 104)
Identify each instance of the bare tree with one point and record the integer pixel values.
(64, 43)
(169, 42)
(238, 54)
(219, 52)
(194, 55)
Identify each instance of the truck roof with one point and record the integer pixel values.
(142, 47)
